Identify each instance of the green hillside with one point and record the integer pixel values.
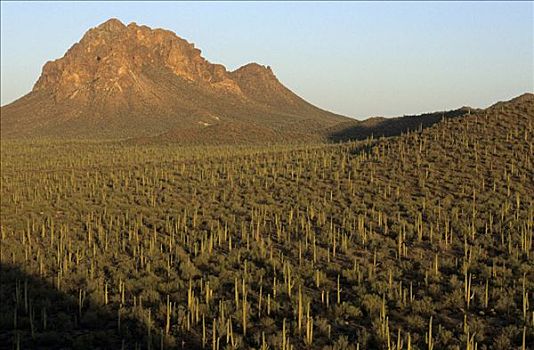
(421, 241)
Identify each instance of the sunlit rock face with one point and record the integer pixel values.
(127, 81)
(111, 57)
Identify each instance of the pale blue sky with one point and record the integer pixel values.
(359, 59)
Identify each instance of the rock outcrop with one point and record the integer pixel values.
(123, 81)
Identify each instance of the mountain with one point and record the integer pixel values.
(149, 85)
(131, 81)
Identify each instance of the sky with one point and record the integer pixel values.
(358, 59)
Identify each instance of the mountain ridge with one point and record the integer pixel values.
(134, 82)
(124, 81)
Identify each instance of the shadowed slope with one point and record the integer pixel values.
(378, 127)
(35, 314)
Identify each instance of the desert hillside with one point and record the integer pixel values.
(420, 241)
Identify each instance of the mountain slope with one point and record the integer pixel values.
(385, 127)
(367, 244)
(129, 81)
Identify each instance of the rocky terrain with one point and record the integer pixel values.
(125, 81)
(149, 85)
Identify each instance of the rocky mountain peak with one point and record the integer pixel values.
(131, 80)
(112, 24)
(111, 56)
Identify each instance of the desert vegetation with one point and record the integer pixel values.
(421, 241)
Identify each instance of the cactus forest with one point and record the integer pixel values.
(417, 241)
